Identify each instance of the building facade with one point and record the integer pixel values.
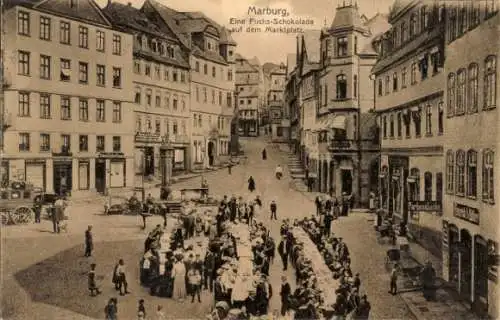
(249, 91)
(279, 121)
(291, 101)
(67, 90)
(212, 78)
(409, 100)
(471, 141)
(161, 91)
(346, 125)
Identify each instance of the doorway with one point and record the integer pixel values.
(465, 264)
(211, 151)
(480, 303)
(453, 263)
(149, 163)
(346, 176)
(100, 176)
(63, 181)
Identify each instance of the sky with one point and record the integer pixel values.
(268, 47)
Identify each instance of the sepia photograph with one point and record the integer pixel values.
(249, 159)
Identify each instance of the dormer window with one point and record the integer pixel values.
(342, 46)
(170, 51)
(209, 46)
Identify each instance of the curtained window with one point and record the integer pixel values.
(460, 173)
(461, 87)
(490, 82)
(471, 174)
(472, 88)
(488, 179)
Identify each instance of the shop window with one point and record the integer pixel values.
(490, 82)
(460, 173)
(450, 166)
(428, 186)
(471, 174)
(488, 179)
(451, 94)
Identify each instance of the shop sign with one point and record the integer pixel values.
(493, 261)
(466, 213)
(426, 206)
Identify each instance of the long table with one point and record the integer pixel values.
(324, 275)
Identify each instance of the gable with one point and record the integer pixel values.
(84, 10)
(211, 30)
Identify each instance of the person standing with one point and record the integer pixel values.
(89, 242)
(179, 277)
(346, 204)
(111, 309)
(283, 252)
(209, 266)
(57, 214)
(251, 184)
(141, 309)
(37, 207)
(328, 223)
(264, 154)
(122, 278)
(229, 167)
(273, 207)
(285, 295)
(160, 315)
(93, 288)
(317, 202)
(194, 280)
(394, 280)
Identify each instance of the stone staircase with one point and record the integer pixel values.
(296, 172)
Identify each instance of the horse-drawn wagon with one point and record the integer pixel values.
(17, 203)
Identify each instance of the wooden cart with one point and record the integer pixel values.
(16, 205)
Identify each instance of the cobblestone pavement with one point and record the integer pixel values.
(33, 254)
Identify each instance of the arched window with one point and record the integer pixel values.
(461, 84)
(428, 120)
(428, 186)
(413, 25)
(488, 178)
(472, 174)
(391, 126)
(205, 69)
(415, 186)
(424, 18)
(341, 86)
(450, 166)
(451, 94)
(460, 173)
(490, 82)
(440, 118)
(472, 88)
(395, 82)
(404, 32)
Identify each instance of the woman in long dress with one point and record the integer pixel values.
(179, 277)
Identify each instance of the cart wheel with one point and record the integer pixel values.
(23, 215)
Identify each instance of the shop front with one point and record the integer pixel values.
(84, 174)
(110, 170)
(63, 175)
(35, 173)
(398, 191)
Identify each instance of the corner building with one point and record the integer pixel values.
(471, 142)
(161, 91)
(409, 100)
(68, 94)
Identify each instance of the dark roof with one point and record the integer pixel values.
(209, 55)
(347, 17)
(246, 66)
(268, 67)
(398, 6)
(7, 4)
(225, 37)
(313, 44)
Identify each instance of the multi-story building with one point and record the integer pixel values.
(409, 100)
(161, 91)
(471, 141)
(249, 90)
(212, 56)
(275, 102)
(291, 101)
(346, 124)
(67, 89)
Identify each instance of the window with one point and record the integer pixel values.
(417, 118)
(65, 74)
(158, 101)
(23, 67)
(100, 43)
(65, 108)
(183, 77)
(205, 69)
(451, 95)
(44, 28)
(404, 32)
(461, 87)
(380, 87)
(424, 67)
(137, 67)
(473, 15)
(174, 75)
(355, 86)
(399, 125)
(413, 25)
(44, 142)
(439, 187)
(428, 186)
(428, 120)
(407, 122)
(83, 72)
(413, 75)
(23, 23)
(117, 77)
(83, 110)
(117, 112)
(83, 37)
(395, 82)
(387, 84)
(205, 95)
(175, 127)
(391, 126)
(489, 8)
(440, 118)
(472, 174)
(200, 121)
(424, 18)
(117, 144)
(83, 143)
(100, 111)
(197, 66)
(183, 105)
(472, 88)
(462, 20)
(101, 75)
(100, 144)
(45, 112)
(384, 126)
(24, 141)
(403, 78)
(213, 72)
(342, 46)
(490, 82)
(66, 143)
(355, 45)
(229, 75)
(44, 67)
(157, 126)
(23, 104)
(220, 98)
(341, 86)
(229, 100)
(452, 24)
(460, 173)
(157, 72)
(488, 180)
(117, 44)
(195, 121)
(65, 32)
(148, 98)
(175, 103)
(137, 96)
(167, 101)
(213, 97)
(147, 70)
(415, 187)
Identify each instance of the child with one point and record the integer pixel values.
(194, 279)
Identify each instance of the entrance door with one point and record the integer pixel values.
(480, 303)
(63, 178)
(211, 152)
(465, 265)
(346, 176)
(149, 165)
(100, 176)
(453, 264)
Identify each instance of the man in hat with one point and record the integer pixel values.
(89, 242)
(283, 252)
(285, 295)
(209, 268)
(273, 207)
